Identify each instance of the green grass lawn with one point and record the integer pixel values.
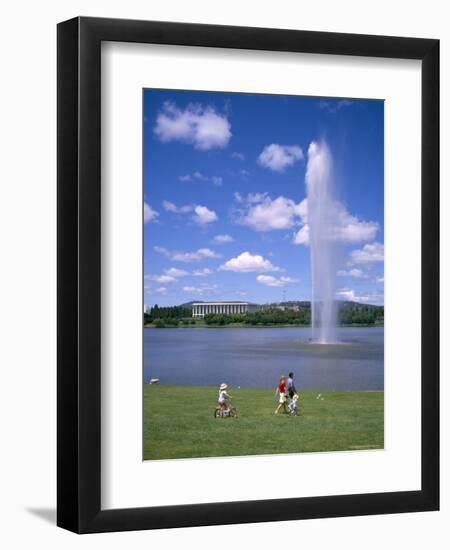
(179, 423)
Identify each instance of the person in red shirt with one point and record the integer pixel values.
(281, 390)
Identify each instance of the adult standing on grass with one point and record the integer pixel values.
(290, 385)
(281, 390)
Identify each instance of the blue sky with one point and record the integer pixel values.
(225, 215)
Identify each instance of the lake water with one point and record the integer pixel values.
(256, 357)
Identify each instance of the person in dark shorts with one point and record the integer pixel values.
(290, 385)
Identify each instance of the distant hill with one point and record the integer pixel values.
(289, 304)
(358, 305)
(303, 304)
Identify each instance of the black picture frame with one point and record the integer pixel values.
(79, 280)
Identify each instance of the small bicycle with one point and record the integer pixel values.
(224, 413)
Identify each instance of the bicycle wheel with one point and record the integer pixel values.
(217, 413)
(233, 412)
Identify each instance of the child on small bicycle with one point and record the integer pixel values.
(292, 404)
(222, 401)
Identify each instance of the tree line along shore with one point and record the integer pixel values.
(349, 314)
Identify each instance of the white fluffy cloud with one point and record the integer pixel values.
(201, 289)
(203, 215)
(169, 275)
(346, 294)
(278, 157)
(202, 272)
(375, 298)
(198, 176)
(352, 230)
(269, 280)
(197, 125)
(347, 228)
(150, 215)
(171, 207)
(302, 235)
(200, 254)
(163, 279)
(175, 272)
(355, 273)
(368, 254)
(251, 198)
(262, 213)
(223, 239)
(247, 262)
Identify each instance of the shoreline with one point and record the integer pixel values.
(277, 325)
(258, 389)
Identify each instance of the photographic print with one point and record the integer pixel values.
(225, 249)
(263, 274)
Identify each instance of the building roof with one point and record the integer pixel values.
(224, 302)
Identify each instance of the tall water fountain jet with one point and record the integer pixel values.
(322, 222)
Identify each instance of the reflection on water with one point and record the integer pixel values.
(255, 357)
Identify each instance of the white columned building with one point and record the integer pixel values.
(200, 309)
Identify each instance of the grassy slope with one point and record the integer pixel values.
(179, 423)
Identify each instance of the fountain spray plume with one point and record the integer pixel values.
(322, 222)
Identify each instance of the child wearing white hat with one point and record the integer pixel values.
(223, 396)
